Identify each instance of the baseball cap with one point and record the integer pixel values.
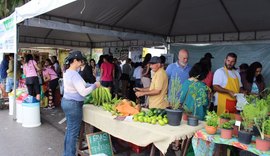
(155, 60)
(74, 55)
(208, 55)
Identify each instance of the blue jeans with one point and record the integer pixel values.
(10, 84)
(73, 113)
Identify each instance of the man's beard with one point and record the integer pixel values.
(183, 64)
(230, 68)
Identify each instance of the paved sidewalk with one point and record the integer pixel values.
(16, 140)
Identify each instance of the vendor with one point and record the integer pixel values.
(227, 83)
(158, 88)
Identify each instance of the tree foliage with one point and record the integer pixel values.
(7, 7)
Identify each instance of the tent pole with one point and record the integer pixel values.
(15, 73)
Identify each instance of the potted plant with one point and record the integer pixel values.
(260, 122)
(199, 97)
(224, 117)
(211, 122)
(227, 130)
(267, 129)
(174, 113)
(186, 112)
(248, 115)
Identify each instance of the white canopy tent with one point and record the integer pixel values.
(8, 28)
(106, 23)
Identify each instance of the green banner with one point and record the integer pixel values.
(8, 34)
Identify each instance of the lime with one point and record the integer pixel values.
(161, 122)
(140, 118)
(165, 120)
(141, 114)
(153, 121)
(135, 118)
(145, 119)
(159, 117)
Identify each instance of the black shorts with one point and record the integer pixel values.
(107, 83)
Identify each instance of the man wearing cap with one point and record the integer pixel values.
(158, 88)
(208, 56)
(179, 68)
(226, 83)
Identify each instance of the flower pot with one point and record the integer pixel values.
(237, 117)
(185, 116)
(262, 145)
(192, 121)
(221, 121)
(226, 133)
(244, 137)
(174, 116)
(255, 131)
(210, 129)
(235, 131)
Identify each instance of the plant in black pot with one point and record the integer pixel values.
(174, 113)
(196, 98)
(186, 112)
(248, 115)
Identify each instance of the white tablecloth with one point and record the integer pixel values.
(141, 134)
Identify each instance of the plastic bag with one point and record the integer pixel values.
(30, 99)
(241, 101)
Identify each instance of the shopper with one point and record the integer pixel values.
(50, 76)
(93, 67)
(194, 90)
(253, 82)
(107, 72)
(56, 66)
(30, 70)
(86, 72)
(75, 89)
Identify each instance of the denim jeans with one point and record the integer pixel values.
(73, 113)
(10, 84)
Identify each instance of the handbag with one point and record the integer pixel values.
(40, 79)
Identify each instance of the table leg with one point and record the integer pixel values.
(185, 145)
(153, 150)
(85, 129)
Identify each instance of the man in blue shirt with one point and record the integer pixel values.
(179, 68)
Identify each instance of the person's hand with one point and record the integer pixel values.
(97, 84)
(139, 94)
(231, 93)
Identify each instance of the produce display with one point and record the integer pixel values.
(120, 107)
(124, 107)
(152, 116)
(100, 95)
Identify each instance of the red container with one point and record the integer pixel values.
(137, 149)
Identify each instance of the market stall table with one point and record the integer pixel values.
(141, 134)
(211, 140)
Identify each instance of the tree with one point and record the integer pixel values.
(8, 6)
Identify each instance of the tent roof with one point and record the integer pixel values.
(156, 17)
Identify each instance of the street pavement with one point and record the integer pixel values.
(45, 140)
(16, 140)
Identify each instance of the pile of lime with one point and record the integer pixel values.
(152, 116)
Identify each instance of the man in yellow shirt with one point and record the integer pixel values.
(157, 91)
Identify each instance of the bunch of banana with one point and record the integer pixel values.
(107, 106)
(101, 95)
